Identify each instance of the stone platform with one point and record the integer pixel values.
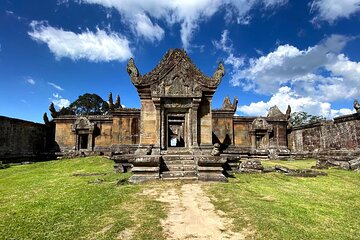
(172, 167)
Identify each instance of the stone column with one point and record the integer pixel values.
(253, 139)
(158, 126)
(90, 141)
(194, 122)
(162, 132)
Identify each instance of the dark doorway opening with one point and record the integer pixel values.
(176, 127)
(83, 141)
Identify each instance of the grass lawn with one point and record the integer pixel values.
(276, 206)
(65, 200)
(59, 200)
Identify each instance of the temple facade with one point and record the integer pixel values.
(175, 122)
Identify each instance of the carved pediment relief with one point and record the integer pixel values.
(175, 61)
(176, 85)
(261, 124)
(82, 123)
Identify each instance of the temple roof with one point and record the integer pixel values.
(175, 60)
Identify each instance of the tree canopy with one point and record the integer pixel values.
(89, 104)
(300, 118)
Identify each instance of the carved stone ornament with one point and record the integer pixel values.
(219, 73)
(261, 124)
(132, 71)
(275, 112)
(82, 123)
(177, 62)
(357, 106)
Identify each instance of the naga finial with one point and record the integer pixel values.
(220, 72)
(357, 106)
(235, 103)
(132, 69)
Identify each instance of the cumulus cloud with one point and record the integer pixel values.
(59, 101)
(321, 71)
(307, 79)
(286, 96)
(94, 46)
(30, 81)
(331, 10)
(55, 86)
(142, 16)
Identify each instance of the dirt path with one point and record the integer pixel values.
(193, 216)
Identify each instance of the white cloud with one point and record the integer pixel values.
(286, 96)
(320, 71)
(331, 10)
(56, 95)
(95, 47)
(147, 29)
(306, 79)
(187, 13)
(30, 81)
(55, 86)
(59, 101)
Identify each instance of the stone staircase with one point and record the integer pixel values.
(178, 167)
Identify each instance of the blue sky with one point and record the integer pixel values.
(276, 52)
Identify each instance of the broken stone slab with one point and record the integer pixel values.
(305, 173)
(282, 169)
(250, 166)
(212, 177)
(354, 164)
(143, 178)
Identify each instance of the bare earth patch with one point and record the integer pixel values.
(193, 216)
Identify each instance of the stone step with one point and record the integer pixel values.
(180, 178)
(181, 167)
(177, 157)
(178, 174)
(179, 162)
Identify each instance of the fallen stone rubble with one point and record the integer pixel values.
(255, 166)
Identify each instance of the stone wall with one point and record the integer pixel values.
(333, 143)
(222, 125)
(21, 140)
(341, 133)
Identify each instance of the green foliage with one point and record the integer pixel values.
(300, 118)
(89, 104)
(74, 199)
(276, 206)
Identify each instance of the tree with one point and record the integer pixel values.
(89, 104)
(300, 118)
(117, 102)
(52, 110)
(111, 103)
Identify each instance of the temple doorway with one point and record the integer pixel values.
(83, 141)
(176, 129)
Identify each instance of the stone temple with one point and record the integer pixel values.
(176, 133)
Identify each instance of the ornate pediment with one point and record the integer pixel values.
(176, 84)
(175, 75)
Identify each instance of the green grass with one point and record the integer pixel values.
(276, 206)
(46, 201)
